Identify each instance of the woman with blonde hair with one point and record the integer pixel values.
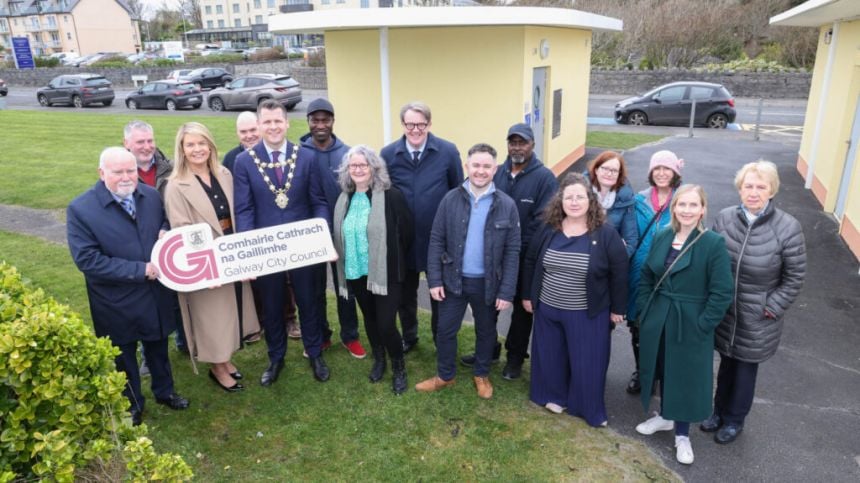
(685, 289)
(201, 191)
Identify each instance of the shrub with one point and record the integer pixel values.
(61, 402)
(112, 62)
(160, 62)
(46, 62)
(216, 59)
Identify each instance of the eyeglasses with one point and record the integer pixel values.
(610, 171)
(421, 126)
(577, 198)
(358, 167)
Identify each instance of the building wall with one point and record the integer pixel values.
(835, 111)
(104, 26)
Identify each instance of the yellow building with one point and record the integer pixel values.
(830, 147)
(480, 69)
(80, 26)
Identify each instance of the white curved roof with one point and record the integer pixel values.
(371, 18)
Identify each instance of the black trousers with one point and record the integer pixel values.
(634, 342)
(517, 341)
(155, 352)
(408, 309)
(735, 389)
(380, 316)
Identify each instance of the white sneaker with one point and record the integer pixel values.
(554, 408)
(683, 450)
(657, 423)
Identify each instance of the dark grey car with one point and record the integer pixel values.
(670, 105)
(248, 91)
(78, 90)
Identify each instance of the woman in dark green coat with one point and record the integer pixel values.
(684, 292)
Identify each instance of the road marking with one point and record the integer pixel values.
(773, 129)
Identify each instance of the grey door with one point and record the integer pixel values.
(539, 110)
(849, 170)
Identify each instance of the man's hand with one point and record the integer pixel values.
(616, 318)
(161, 234)
(151, 271)
(502, 304)
(527, 304)
(437, 293)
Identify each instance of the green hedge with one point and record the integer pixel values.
(61, 405)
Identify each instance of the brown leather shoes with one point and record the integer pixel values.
(484, 387)
(433, 384)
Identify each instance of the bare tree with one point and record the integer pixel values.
(137, 7)
(192, 12)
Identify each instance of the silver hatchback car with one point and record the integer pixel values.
(248, 91)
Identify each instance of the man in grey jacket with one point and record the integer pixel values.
(472, 260)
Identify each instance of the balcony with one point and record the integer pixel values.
(32, 28)
(50, 27)
(302, 7)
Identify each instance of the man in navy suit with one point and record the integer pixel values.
(288, 189)
(111, 231)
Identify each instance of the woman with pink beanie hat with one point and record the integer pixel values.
(652, 214)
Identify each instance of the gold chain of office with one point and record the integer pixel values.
(281, 198)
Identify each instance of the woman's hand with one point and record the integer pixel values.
(616, 319)
(527, 304)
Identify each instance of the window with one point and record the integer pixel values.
(219, 9)
(235, 8)
(220, 24)
(237, 22)
(672, 94)
(270, 3)
(208, 9)
(699, 93)
(210, 24)
(238, 83)
(69, 35)
(365, 4)
(258, 19)
(149, 88)
(258, 3)
(341, 1)
(66, 18)
(325, 2)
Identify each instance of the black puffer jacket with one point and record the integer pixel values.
(768, 265)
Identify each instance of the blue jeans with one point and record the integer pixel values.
(451, 311)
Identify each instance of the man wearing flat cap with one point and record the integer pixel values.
(531, 184)
(329, 151)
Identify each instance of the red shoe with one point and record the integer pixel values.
(355, 349)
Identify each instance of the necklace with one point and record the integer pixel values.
(281, 198)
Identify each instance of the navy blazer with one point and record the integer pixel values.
(112, 249)
(606, 280)
(439, 170)
(254, 203)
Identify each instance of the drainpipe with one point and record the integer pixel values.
(822, 103)
(385, 84)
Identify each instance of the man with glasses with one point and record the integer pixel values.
(424, 168)
(531, 184)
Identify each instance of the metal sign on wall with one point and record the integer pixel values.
(23, 54)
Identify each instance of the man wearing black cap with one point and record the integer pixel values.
(531, 184)
(329, 151)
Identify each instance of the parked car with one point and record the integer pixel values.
(248, 91)
(141, 56)
(176, 74)
(4, 89)
(670, 105)
(100, 56)
(64, 57)
(165, 94)
(207, 77)
(79, 90)
(78, 61)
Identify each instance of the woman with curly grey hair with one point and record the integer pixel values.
(372, 235)
(575, 282)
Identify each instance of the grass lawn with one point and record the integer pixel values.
(350, 430)
(618, 141)
(79, 137)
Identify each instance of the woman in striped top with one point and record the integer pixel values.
(575, 282)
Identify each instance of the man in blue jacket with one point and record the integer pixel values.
(424, 168)
(111, 231)
(274, 183)
(531, 184)
(472, 259)
(329, 151)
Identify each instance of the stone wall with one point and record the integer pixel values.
(784, 85)
(308, 77)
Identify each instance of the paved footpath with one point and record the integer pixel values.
(805, 421)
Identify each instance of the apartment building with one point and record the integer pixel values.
(243, 22)
(82, 26)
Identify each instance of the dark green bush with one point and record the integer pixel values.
(61, 402)
(46, 62)
(113, 62)
(216, 59)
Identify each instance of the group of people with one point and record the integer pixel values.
(571, 259)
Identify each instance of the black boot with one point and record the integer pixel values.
(398, 381)
(378, 368)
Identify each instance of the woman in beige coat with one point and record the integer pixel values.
(216, 319)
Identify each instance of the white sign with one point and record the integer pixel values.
(189, 259)
(173, 51)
